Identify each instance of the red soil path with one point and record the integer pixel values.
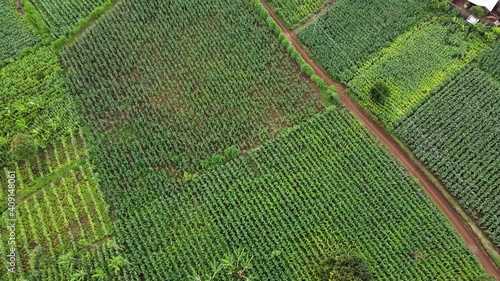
(395, 149)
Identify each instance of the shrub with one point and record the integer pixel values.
(342, 267)
(477, 11)
(23, 147)
(380, 92)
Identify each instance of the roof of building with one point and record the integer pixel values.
(488, 4)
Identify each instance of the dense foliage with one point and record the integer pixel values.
(62, 16)
(295, 12)
(455, 132)
(323, 188)
(489, 60)
(14, 33)
(34, 101)
(159, 103)
(352, 32)
(411, 67)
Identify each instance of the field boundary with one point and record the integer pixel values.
(471, 238)
(313, 18)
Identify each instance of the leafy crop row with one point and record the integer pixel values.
(62, 16)
(324, 187)
(179, 82)
(455, 132)
(489, 60)
(411, 67)
(295, 12)
(14, 33)
(59, 206)
(351, 32)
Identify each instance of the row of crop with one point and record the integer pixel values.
(62, 16)
(410, 68)
(323, 187)
(455, 132)
(352, 32)
(152, 114)
(15, 36)
(488, 60)
(59, 207)
(296, 12)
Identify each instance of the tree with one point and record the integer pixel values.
(380, 92)
(477, 11)
(23, 147)
(343, 267)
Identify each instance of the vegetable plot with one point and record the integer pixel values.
(411, 67)
(324, 187)
(455, 132)
(295, 12)
(164, 86)
(351, 32)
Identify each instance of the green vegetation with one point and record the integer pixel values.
(352, 32)
(15, 36)
(62, 17)
(411, 67)
(23, 147)
(455, 132)
(477, 11)
(323, 188)
(59, 206)
(188, 94)
(489, 59)
(295, 12)
(34, 101)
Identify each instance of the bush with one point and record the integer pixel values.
(477, 11)
(380, 92)
(23, 147)
(342, 267)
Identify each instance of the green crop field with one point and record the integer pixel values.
(14, 34)
(189, 140)
(455, 132)
(411, 67)
(196, 95)
(324, 187)
(61, 17)
(351, 32)
(489, 60)
(295, 12)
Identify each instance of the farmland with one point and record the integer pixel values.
(61, 17)
(488, 61)
(321, 188)
(454, 132)
(296, 11)
(15, 36)
(411, 67)
(200, 141)
(167, 127)
(352, 32)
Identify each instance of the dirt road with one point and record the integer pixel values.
(439, 199)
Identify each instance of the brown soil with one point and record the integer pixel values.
(20, 7)
(412, 167)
